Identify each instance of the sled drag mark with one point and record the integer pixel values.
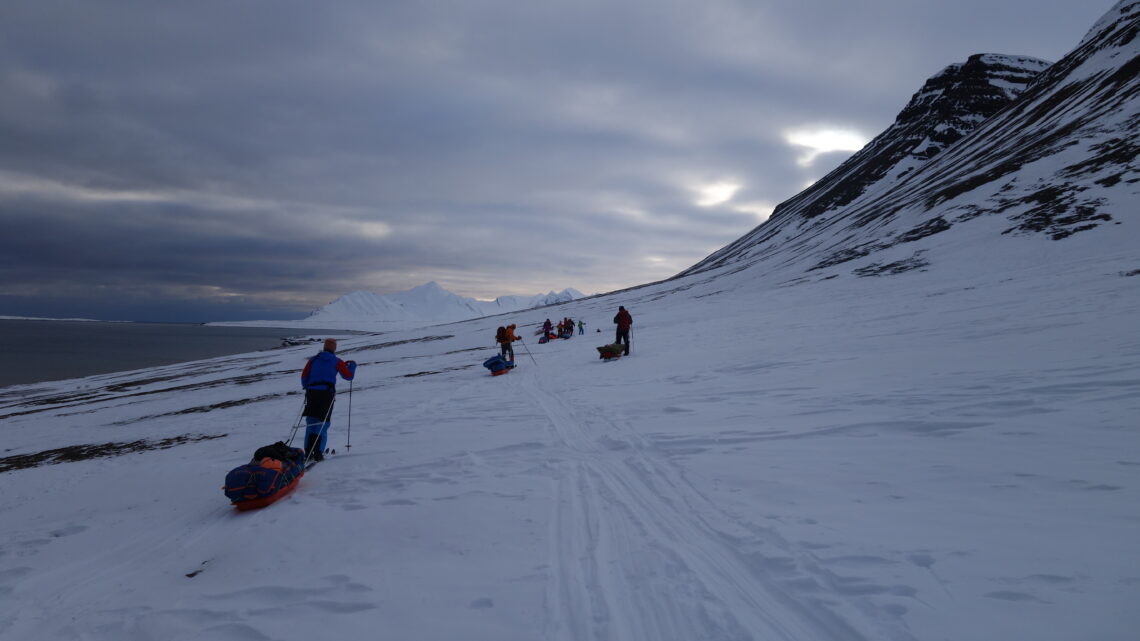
(638, 554)
(582, 610)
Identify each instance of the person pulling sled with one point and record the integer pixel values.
(318, 379)
(505, 336)
(624, 322)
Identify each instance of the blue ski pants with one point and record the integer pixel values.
(314, 426)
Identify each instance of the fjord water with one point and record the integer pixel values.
(33, 351)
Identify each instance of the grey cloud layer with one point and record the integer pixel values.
(284, 153)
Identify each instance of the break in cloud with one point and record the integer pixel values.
(216, 161)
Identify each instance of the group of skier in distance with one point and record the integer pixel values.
(275, 469)
(505, 336)
(319, 376)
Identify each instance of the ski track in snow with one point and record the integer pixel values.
(831, 436)
(831, 474)
(637, 543)
(634, 541)
(643, 555)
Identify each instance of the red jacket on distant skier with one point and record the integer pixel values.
(623, 319)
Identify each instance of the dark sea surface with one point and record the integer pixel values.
(32, 351)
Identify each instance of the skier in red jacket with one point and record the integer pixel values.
(318, 378)
(623, 321)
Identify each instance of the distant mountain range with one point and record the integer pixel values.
(427, 304)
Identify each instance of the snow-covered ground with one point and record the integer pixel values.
(841, 427)
(951, 454)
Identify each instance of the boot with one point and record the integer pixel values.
(311, 451)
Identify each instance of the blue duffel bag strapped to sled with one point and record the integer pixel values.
(273, 467)
(496, 363)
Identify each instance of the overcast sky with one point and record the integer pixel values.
(237, 160)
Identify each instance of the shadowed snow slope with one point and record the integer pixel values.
(934, 438)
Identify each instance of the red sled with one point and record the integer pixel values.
(498, 365)
(272, 473)
(254, 504)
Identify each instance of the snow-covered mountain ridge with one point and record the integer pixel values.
(427, 304)
(950, 105)
(1049, 152)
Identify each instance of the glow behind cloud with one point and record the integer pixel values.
(713, 194)
(821, 140)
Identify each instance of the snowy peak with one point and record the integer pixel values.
(540, 300)
(954, 102)
(1061, 159)
(983, 78)
(363, 304)
(432, 301)
(427, 288)
(426, 304)
(427, 291)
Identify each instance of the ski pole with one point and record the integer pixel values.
(528, 349)
(348, 445)
(296, 424)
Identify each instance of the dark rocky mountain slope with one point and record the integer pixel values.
(1050, 149)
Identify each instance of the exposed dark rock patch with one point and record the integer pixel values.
(115, 391)
(469, 349)
(846, 255)
(424, 339)
(929, 228)
(446, 369)
(104, 450)
(1114, 153)
(202, 409)
(898, 267)
(1057, 211)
